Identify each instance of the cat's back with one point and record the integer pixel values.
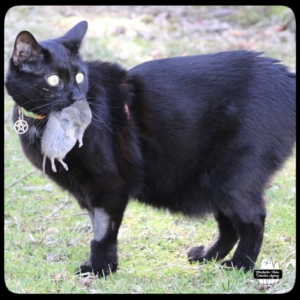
(221, 62)
(212, 73)
(240, 84)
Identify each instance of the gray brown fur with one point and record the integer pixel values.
(62, 131)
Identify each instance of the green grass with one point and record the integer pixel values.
(47, 236)
(43, 250)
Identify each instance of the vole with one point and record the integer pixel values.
(62, 131)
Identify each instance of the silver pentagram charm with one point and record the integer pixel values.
(21, 126)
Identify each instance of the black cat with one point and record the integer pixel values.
(197, 134)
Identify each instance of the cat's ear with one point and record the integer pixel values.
(26, 49)
(72, 39)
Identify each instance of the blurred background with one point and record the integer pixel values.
(134, 34)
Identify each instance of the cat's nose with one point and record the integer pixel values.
(76, 95)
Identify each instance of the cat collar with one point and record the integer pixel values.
(31, 114)
(21, 126)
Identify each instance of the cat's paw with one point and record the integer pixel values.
(196, 254)
(105, 269)
(100, 270)
(85, 269)
(231, 264)
(104, 258)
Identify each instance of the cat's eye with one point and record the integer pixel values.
(79, 77)
(53, 80)
(65, 121)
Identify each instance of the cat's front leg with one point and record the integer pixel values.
(104, 250)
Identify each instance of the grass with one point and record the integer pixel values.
(43, 250)
(47, 236)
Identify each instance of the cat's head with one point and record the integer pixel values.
(48, 75)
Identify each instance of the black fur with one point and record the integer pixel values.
(204, 134)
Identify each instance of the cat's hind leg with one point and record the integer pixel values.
(250, 241)
(220, 245)
(246, 224)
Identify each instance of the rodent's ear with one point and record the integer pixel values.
(72, 39)
(26, 49)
